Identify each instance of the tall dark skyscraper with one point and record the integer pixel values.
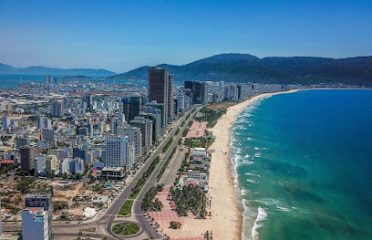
(170, 98)
(160, 89)
(199, 91)
(132, 106)
(27, 158)
(57, 109)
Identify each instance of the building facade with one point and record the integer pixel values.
(158, 88)
(27, 158)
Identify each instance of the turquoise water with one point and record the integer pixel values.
(304, 164)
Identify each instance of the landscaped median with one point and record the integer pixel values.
(126, 208)
(167, 145)
(126, 228)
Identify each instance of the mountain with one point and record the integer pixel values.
(40, 70)
(248, 68)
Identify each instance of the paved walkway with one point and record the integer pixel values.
(197, 129)
(170, 172)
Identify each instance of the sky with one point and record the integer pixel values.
(122, 35)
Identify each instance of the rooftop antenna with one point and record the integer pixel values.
(1, 224)
(113, 87)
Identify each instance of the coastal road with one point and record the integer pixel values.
(171, 171)
(152, 181)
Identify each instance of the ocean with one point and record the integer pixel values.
(11, 81)
(304, 165)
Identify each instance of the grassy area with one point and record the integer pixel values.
(203, 142)
(167, 145)
(144, 178)
(126, 209)
(166, 164)
(184, 133)
(211, 115)
(126, 228)
(24, 184)
(183, 123)
(13, 209)
(150, 202)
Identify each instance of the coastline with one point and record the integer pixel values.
(226, 206)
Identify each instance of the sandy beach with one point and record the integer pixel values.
(226, 221)
(226, 211)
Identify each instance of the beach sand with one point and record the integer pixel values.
(226, 221)
(226, 211)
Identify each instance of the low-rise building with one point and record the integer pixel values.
(35, 225)
(112, 172)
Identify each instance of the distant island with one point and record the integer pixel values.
(41, 70)
(235, 67)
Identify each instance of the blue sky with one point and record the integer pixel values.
(121, 35)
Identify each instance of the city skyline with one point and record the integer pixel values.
(122, 35)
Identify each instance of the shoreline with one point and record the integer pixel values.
(227, 207)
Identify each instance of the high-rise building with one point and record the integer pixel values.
(117, 122)
(44, 123)
(226, 95)
(156, 124)
(233, 92)
(1, 223)
(134, 136)
(48, 135)
(170, 98)
(5, 122)
(27, 158)
(73, 166)
(57, 109)
(156, 113)
(22, 141)
(158, 88)
(180, 103)
(37, 225)
(239, 90)
(51, 164)
(116, 151)
(131, 155)
(145, 125)
(199, 91)
(39, 164)
(79, 153)
(89, 101)
(132, 106)
(160, 107)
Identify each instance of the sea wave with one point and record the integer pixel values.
(245, 162)
(282, 209)
(253, 217)
(261, 216)
(269, 202)
(258, 155)
(251, 180)
(250, 174)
